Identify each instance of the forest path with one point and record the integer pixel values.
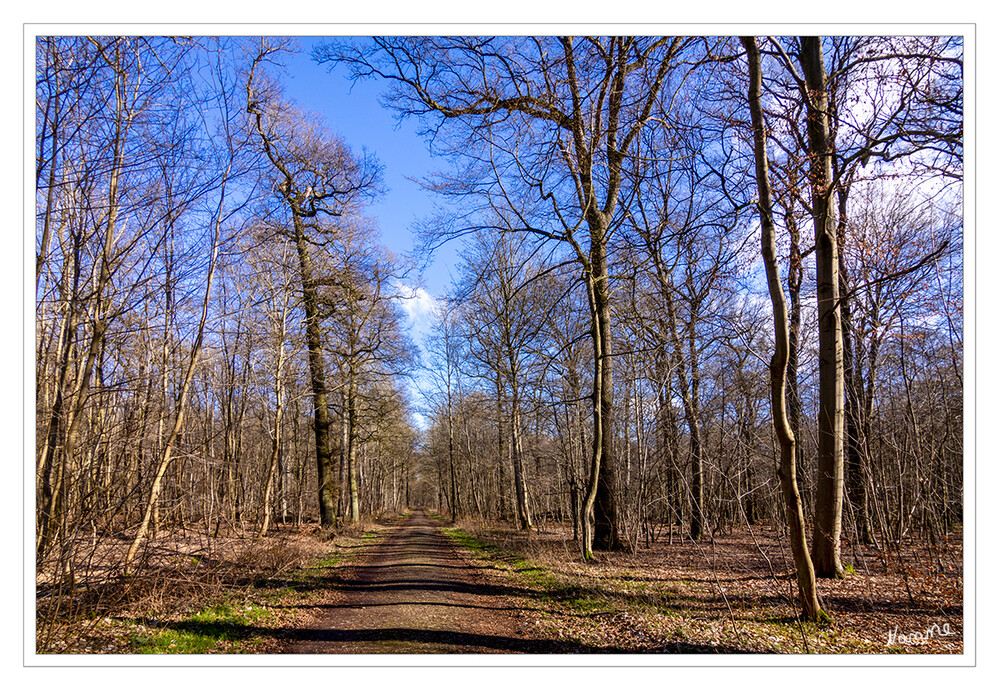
(416, 591)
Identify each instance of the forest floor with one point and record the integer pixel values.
(416, 584)
(733, 593)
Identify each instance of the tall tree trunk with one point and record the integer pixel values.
(53, 460)
(53, 162)
(71, 415)
(178, 422)
(450, 451)
(794, 279)
(587, 517)
(778, 363)
(352, 434)
(688, 394)
(317, 379)
(829, 481)
(272, 468)
(605, 519)
(501, 449)
(524, 521)
(854, 460)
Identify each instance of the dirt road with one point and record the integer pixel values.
(416, 591)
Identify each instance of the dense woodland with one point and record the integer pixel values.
(704, 283)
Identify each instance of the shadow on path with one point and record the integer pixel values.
(414, 592)
(415, 640)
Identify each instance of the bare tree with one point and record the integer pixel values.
(227, 152)
(829, 483)
(504, 291)
(366, 336)
(316, 176)
(276, 287)
(555, 121)
(443, 348)
(778, 363)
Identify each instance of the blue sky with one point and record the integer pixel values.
(353, 111)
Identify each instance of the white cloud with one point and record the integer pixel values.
(419, 306)
(421, 310)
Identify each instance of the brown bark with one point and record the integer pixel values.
(597, 449)
(689, 395)
(317, 379)
(778, 363)
(352, 433)
(604, 511)
(524, 521)
(302, 205)
(854, 461)
(829, 481)
(794, 280)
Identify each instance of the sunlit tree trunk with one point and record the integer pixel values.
(829, 480)
(273, 465)
(778, 363)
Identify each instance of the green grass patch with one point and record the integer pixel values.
(233, 626)
(212, 629)
(473, 544)
(524, 570)
(331, 560)
(586, 605)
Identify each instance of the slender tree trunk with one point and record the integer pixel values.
(688, 394)
(272, 468)
(450, 450)
(854, 460)
(470, 456)
(53, 163)
(523, 510)
(501, 449)
(71, 416)
(794, 280)
(52, 466)
(178, 423)
(868, 411)
(597, 451)
(697, 518)
(778, 363)
(352, 491)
